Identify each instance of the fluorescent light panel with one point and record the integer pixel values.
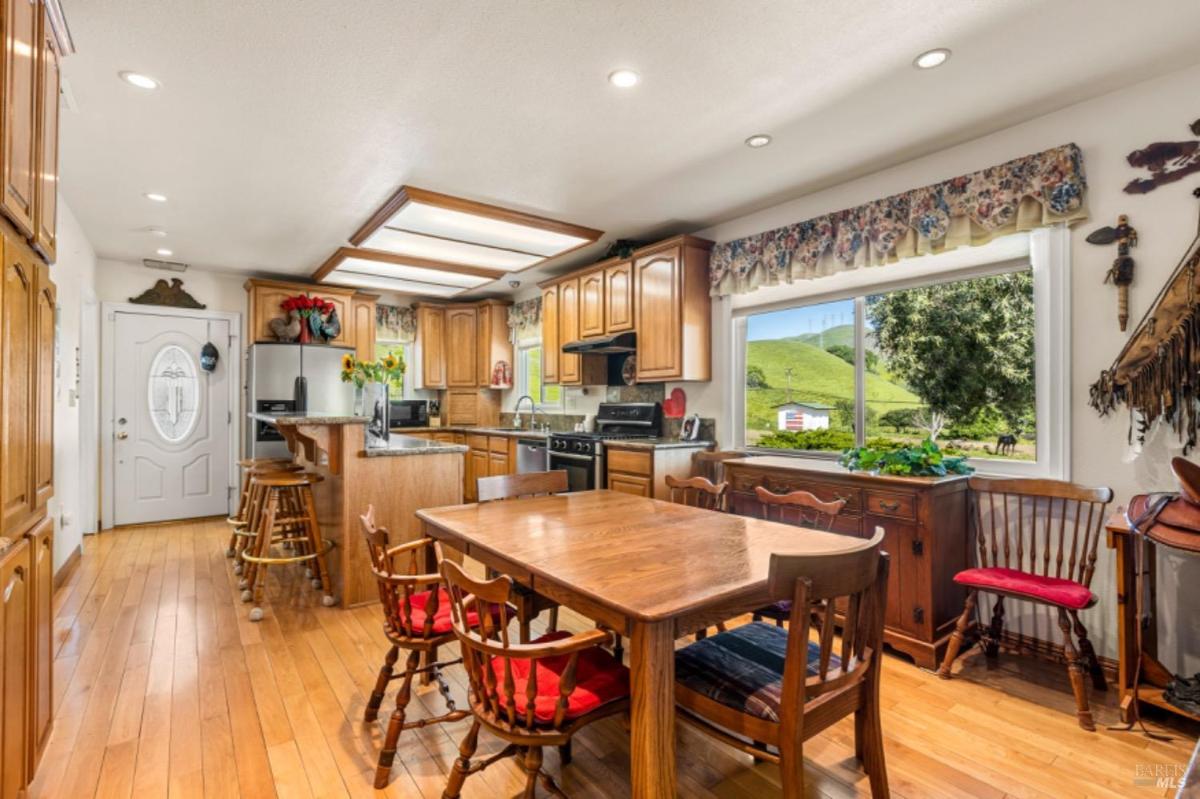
(391, 284)
(482, 230)
(403, 242)
(405, 272)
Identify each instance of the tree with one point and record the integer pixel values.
(756, 377)
(901, 418)
(961, 346)
(846, 353)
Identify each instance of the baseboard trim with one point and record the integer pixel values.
(68, 568)
(1049, 652)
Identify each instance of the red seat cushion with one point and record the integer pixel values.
(442, 623)
(1052, 590)
(599, 679)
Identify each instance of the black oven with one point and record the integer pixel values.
(582, 461)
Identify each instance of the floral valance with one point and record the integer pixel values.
(1022, 194)
(395, 323)
(525, 319)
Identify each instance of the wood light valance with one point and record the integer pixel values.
(1026, 193)
(1158, 371)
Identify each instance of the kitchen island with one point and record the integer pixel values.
(409, 474)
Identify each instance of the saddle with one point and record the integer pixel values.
(1171, 519)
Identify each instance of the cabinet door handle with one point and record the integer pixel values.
(918, 547)
(919, 615)
(889, 506)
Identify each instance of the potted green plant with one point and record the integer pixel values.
(927, 460)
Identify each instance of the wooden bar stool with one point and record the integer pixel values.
(287, 517)
(239, 521)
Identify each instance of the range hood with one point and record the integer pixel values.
(603, 345)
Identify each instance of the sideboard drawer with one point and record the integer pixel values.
(783, 484)
(902, 506)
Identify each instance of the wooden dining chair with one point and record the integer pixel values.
(799, 508)
(710, 464)
(530, 695)
(517, 486)
(698, 492)
(1037, 543)
(766, 690)
(416, 618)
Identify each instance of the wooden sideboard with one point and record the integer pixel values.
(925, 529)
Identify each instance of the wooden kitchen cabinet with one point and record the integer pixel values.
(431, 346)
(673, 310)
(45, 217)
(551, 346)
(461, 341)
(18, 133)
(591, 304)
(618, 298)
(43, 385)
(41, 652)
(925, 531)
(14, 669)
(18, 370)
(569, 369)
(495, 343)
(354, 309)
(362, 312)
(643, 471)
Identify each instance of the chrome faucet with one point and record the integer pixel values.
(517, 411)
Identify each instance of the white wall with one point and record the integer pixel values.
(1106, 128)
(74, 503)
(117, 281)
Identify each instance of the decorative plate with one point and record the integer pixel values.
(629, 370)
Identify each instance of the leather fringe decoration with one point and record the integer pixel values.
(1158, 372)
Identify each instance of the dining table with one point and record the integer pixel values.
(651, 570)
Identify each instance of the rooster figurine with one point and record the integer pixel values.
(331, 328)
(286, 329)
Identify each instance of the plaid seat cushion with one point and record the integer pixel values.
(781, 610)
(742, 668)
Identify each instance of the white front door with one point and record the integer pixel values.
(171, 419)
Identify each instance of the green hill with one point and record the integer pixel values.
(840, 334)
(817, 376)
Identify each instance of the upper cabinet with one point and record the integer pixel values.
(618, 298)
(45, 217)
(355, 311)
(660, 293)
(551, 346)
(591, 304)
(461, 341)
(17, 366)
(18, 167)
(459, 345)
(431, 346)
(674, 311)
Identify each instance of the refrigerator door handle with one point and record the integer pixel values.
(300, 394)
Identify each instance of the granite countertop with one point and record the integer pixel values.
(411, 445)
(479, 431)
(307, 417)
(658, 443)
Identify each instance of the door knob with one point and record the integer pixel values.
(122, 436)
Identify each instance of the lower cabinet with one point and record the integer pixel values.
(925, 531)
(41, 655)
(643, 471)
(14, 669)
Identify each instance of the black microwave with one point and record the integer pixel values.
(410, 413)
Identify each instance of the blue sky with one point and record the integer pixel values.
(796, 321)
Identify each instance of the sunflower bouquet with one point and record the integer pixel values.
(388, 369)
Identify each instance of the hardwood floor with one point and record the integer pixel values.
(164, 688)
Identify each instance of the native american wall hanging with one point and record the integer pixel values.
(1167, 162)
(1157, 374)
(1120, 274)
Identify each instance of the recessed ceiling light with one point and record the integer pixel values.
(155, 197)
(163, 251)
(931, 58)
(758, 140)
(139, 80)
(624, 78)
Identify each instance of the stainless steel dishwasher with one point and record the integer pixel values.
(532, 455)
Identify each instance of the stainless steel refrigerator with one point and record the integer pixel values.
(289, 378)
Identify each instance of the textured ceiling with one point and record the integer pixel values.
(281, 126)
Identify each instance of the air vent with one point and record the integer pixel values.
(168, 266)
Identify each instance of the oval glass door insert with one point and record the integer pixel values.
(173, 393)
